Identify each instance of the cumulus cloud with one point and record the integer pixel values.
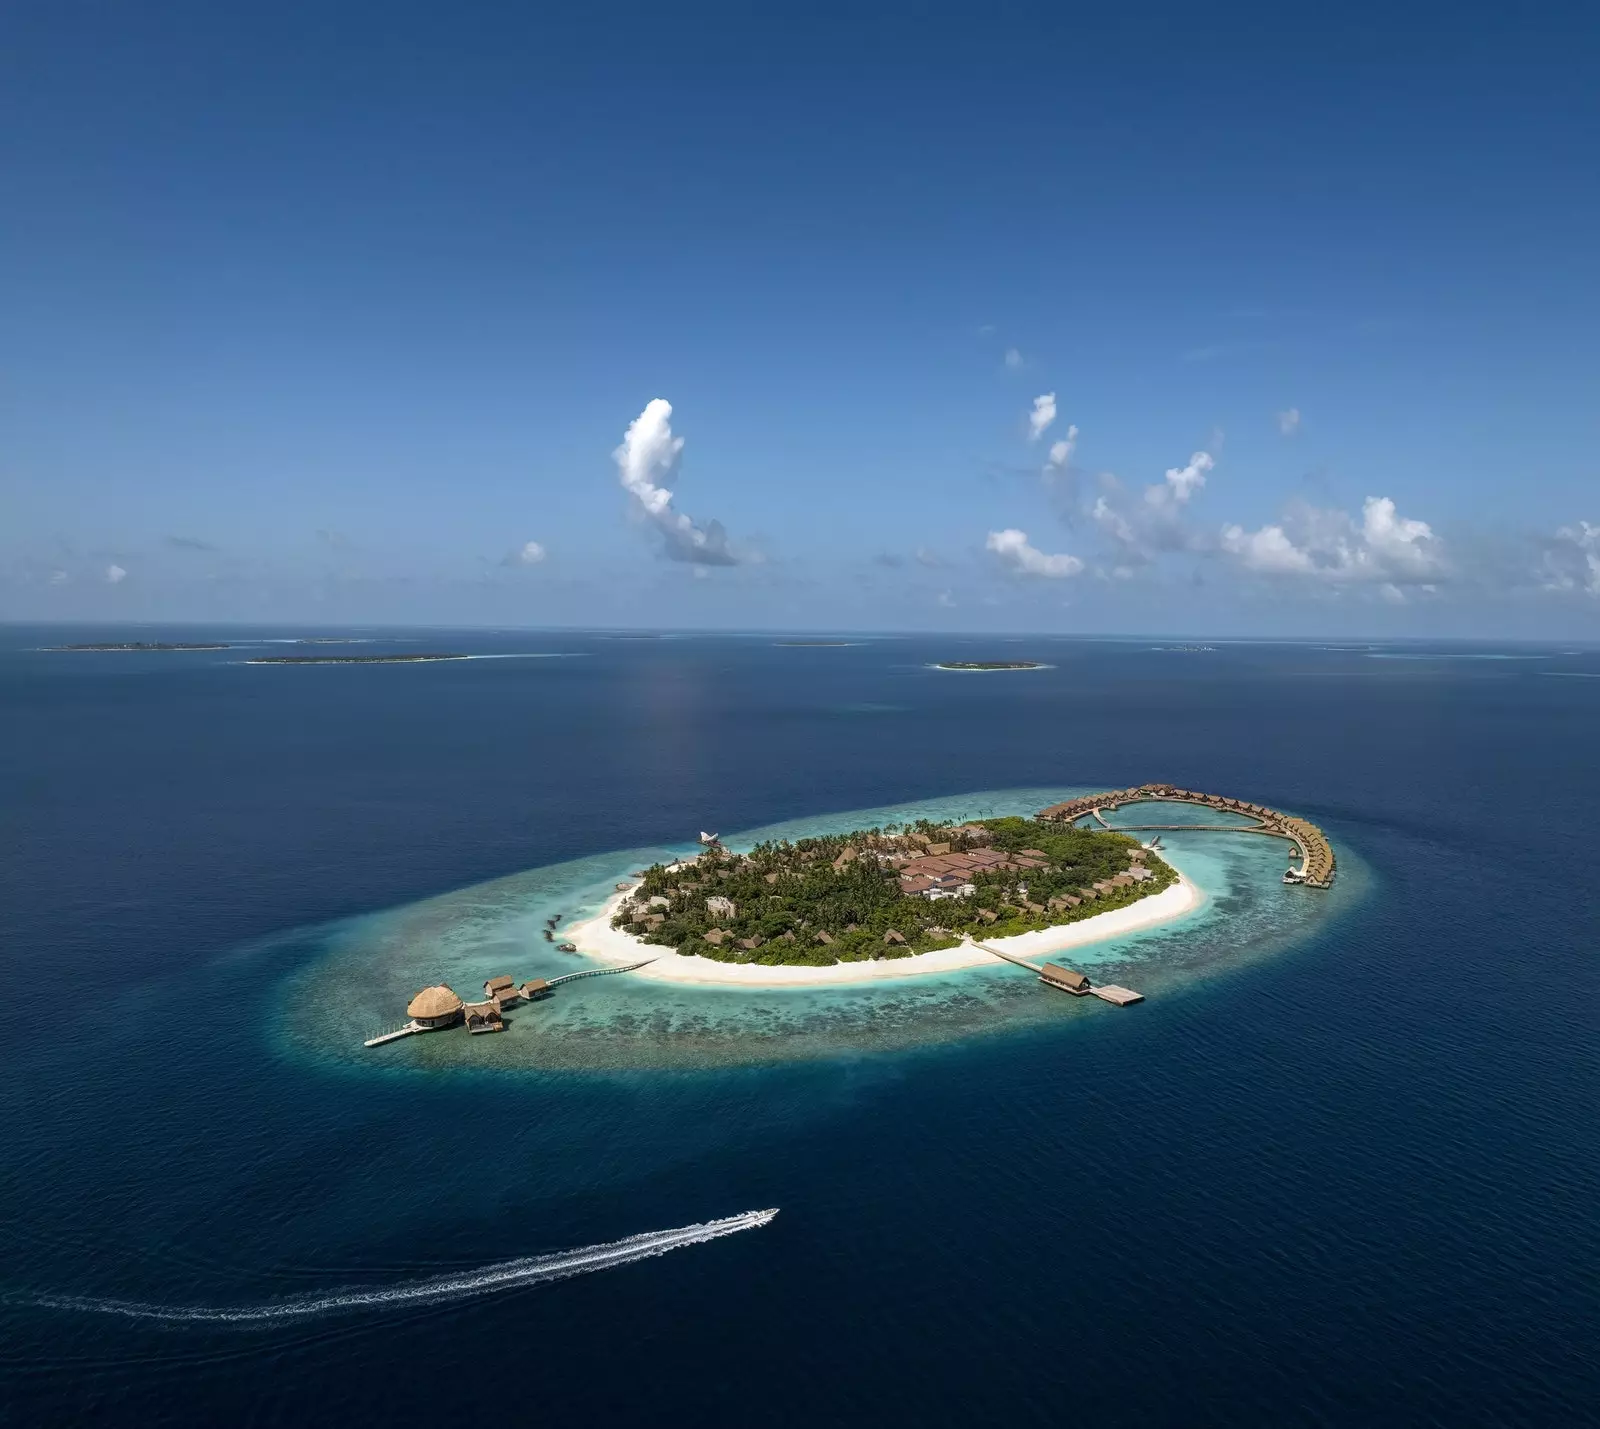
(1289, 421)
(1042, 415)
(1012, 549)
(530, 554)
(59, 577)
(1061, 451)
(931, 559)
(1571, 560)
(1382, 547)
(1013, 358)
(645, 462)
(1139, 529)
(115, 575)
(1181, 481)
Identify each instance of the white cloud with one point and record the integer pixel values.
(1061, 451)
(645, 462)
(1572, 560)
(531, 554)
(1014, 552)
(931, 559)
(947, 600)
(1042, 415)
(1268, 551)
(1154, 523)
(1013, 358)
(1332, 546)
(115, 575)
(1182, 481)
(1113, 522)
(1289, 421)
(59, 577)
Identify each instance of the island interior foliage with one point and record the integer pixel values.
(887, 892)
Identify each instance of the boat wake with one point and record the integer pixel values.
(436, 1290)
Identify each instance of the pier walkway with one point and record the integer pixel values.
(1108, 992)
(396, 1035)
(598, 972)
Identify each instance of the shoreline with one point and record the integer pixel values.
(596, 939)
(997, 670)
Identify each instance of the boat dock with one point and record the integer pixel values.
(1054, 975)
(408, 1030)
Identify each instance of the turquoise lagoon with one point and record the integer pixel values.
(366, 969)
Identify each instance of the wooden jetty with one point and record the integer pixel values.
(1121, 996)
(1054, 975)
(410, 1029)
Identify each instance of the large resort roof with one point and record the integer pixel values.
(431, 1002)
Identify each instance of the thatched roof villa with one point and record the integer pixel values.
(435, 1007)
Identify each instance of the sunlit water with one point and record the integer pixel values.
(1339, 1168)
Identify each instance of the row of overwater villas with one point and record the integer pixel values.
(441, 1006)
(1319, 859)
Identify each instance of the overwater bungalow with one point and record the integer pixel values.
(483, 1017)
(501, 989)
(435, 1007)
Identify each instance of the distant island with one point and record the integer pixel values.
(813, 644)
(887, 893)
(988, 665)
(142, 645)
(350, 659)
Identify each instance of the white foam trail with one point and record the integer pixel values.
(508, 1275)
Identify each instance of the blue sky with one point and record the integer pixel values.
(324, 313)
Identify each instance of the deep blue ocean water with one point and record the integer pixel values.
(1344, 1174)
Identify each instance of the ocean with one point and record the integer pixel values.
(1340, 1168)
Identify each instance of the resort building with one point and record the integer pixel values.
(720, 907)
(501, 989)
(1064, 978)
(435, 1007)
(483, 1017)
(535, 987)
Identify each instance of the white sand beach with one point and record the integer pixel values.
(596, 938)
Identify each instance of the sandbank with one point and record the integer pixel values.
(596, 938)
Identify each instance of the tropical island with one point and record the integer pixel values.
(988, 665)
(887, 893)
(407, 659)
(143, 645)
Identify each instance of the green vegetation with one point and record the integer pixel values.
(847, 888)
(141, 645)
(347, 659)
(989, 665)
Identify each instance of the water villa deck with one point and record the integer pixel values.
(1317, 865)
